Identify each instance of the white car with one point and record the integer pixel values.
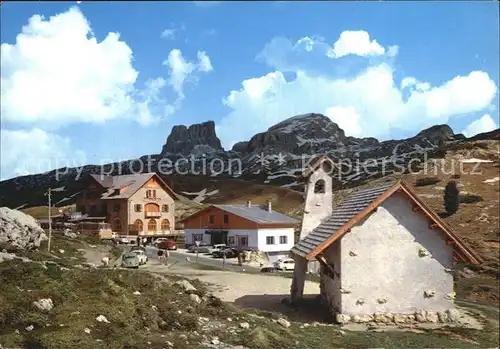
(217, 247)
(141, 256)
(285, 264)
(122, 240)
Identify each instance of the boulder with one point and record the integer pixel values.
(20, 230)
(44, 304)
(284, 322)
(186, 286)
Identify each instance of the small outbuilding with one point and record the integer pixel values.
(384, 255)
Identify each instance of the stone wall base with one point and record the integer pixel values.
(420, 316)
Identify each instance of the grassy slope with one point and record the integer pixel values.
(163, 312)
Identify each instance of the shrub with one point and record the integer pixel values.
(470, 199)
(451, 197)
(420, 182)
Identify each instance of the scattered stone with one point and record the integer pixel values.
(431, 317)
(183, 336)
(342, 333)
(102, 318)
(384, 318)
(420, 316)
(87, 330)
(340, 318)
(30, 328)
(195, 298)
(284, 322)
(186, 286)
(61, 251)
(105, 261)
(154, 307)
(215, 341)
(169, 344)
(245, 325)
(137, 293)
(229, 319)
(44, 304)
(75, 313)
(179, 311)
(442, 316)
(453, 315)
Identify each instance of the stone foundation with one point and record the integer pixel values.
(421, 316)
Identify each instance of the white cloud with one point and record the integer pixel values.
(57, 73)
(370, 103)
(168, 33)
(171, 32)
(346, 117)
(34, 151)
(356, 43)
(205, 65)
(182, 71)
(485, 124)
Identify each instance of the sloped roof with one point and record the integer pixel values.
(357, 206)
(254, 213)
(133, 181)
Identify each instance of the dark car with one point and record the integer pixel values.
(229, 252)
(167, 245)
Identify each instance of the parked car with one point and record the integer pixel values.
(167, 245)
(285, 264)
(122, 240)
(158, 241)
(201, 248)
(137, 247)
(228, 252)
(218, 247)
(130, 260)
(141, 255)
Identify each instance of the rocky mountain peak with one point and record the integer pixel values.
(299, 134)
(437, 133)
(197, 137)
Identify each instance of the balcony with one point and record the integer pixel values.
(152, 214)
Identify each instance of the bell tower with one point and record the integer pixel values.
(318, 195)
(317, 206)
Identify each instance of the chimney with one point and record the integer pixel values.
(269, 206)
(249, 203)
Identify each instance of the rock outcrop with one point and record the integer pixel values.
(19, 230)
(200, 138)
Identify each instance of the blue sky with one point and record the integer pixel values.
(75, 92)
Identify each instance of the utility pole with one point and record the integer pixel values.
(50, 219)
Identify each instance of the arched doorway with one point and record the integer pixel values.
(138, 225)
(165, 225)
(152, 225)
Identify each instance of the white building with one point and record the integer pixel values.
(385, 256)
(247, 227)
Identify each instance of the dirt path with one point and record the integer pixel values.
(95, 254)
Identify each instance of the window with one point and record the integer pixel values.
(242, 240)
(211, 219)
(116, 208)
(319, 186)
(138, 225)
(283, 239)
(231, 241)
(197, 237)
(226, 219)
(152, 225)
(151, 194)
(138, 208)
(270, 240)
(164, 208)
(165, 225)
